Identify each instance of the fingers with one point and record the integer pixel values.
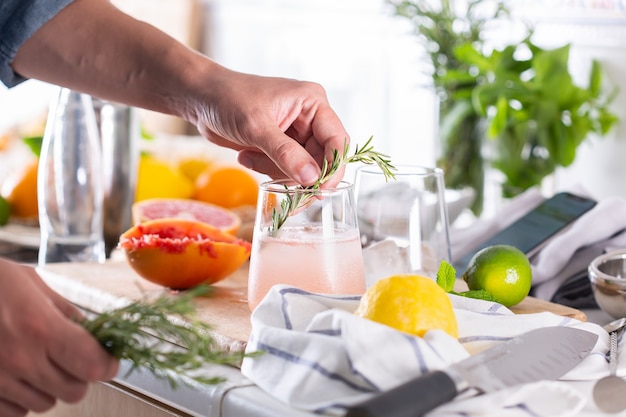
(10, 409)
(17, 397)
(80, 355)
(294, 162)
(45, 354)
(290, 122)
(56, 359)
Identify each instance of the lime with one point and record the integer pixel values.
(503, 271)
(413, 304)
(5, 211)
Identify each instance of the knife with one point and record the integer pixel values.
(546, 353)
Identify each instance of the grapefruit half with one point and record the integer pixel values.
(182, 253)
(160, 208)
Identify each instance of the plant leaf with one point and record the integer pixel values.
(478, 294)
(446, 276)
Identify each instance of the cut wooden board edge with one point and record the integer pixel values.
(531, 305)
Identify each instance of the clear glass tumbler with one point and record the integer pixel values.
(70, 183)
(318, 247)
(409, 211)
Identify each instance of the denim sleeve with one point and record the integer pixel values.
(19, 20)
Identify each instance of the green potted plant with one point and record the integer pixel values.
(536, 115)
(442, 28)
(526, 110)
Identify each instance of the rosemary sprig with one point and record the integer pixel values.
(302, 195)
(140, 331)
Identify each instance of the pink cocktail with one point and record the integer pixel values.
(317, 249)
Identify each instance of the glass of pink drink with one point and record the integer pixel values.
(317, 249)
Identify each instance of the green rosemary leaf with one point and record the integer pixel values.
(302, 195)
(162, 336)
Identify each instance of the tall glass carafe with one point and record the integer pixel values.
(70, 183)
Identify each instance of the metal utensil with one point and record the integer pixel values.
(609, 393)
(545, 353)
(119, 134)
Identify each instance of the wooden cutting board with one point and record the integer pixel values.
(98, 287)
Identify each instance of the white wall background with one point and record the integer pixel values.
(354, 48)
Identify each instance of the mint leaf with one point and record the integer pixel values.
(446, 276)
(479, 294)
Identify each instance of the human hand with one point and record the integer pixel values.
(45, 354)
(281, 127)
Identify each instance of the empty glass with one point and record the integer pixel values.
(409, 212)
(317, 248)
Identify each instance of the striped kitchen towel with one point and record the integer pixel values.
(320, 357)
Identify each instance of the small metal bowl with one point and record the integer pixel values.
(607, 274)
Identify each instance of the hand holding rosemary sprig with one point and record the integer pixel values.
(302, 195)
(161, 336)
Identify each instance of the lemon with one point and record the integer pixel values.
(503, 271)
(410, 303)
(158, 179)
(192, 167)
(5, 211)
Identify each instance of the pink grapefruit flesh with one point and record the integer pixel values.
(160, 208)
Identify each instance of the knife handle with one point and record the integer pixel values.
(411, 399)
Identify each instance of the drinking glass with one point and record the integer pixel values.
(318, 247)
(409, 211)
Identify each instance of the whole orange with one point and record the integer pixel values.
(20, 191)
(226, 186)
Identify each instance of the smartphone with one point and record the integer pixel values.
(536, 228)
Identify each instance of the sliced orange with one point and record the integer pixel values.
(181, 253)
(226, 186)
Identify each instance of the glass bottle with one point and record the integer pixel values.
(70, 183)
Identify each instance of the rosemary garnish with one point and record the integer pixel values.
(302, 195)
(140, 332)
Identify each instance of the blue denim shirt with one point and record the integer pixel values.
(19, 20)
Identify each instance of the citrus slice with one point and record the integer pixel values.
(181, 253)
(413, 304)
(159, 208)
